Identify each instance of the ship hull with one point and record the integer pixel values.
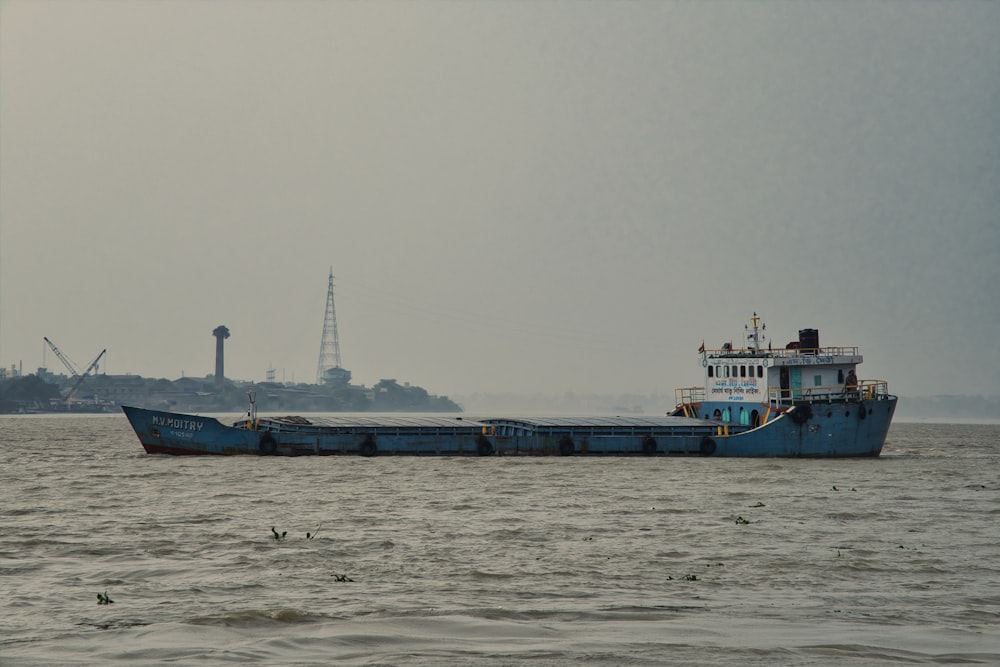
(819, 430)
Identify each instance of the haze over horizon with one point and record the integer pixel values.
(514, 197)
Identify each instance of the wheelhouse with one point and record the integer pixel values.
(750, 384)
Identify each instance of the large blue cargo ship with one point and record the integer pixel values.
(801, 400)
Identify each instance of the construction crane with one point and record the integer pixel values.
(83, 375)
(71, 367)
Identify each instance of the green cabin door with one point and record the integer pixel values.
(795, 381)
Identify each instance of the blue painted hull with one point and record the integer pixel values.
(850, 429)
(834, 429)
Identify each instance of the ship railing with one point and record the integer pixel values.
(869, 390)
(687, 397)
(785, 353)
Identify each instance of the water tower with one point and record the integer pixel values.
(221, 333)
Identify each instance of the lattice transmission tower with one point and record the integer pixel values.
(329, 347)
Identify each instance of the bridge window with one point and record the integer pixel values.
(840, 376)
(743, 371)
(817, 380)
(760, 371)
(710, 373)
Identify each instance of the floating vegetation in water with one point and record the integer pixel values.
(740, 521)
(310, 536)
(276, 536)
(104, 599)
(759, 504)
(835, 489)
(715, 564)
(341, 577)
(690, 577)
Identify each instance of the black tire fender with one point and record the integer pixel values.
(268, 445)
(566, 446)
(707, 446)
(649, 446)
(801, 413)
(368, 446)
(483, 446)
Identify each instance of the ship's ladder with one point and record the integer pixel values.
(688, 398)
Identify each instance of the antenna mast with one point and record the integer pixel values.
(329, 347)
(755, 333)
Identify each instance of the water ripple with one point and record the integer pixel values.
(500, 561)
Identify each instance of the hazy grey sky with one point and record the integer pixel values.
(514, 196)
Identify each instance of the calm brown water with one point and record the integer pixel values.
(496, 561)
